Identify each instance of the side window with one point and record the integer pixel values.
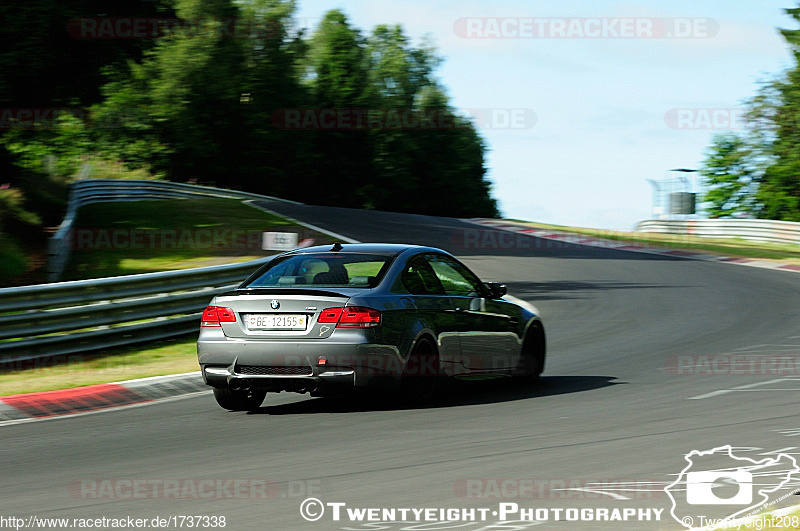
(455, 278)
(419, 278)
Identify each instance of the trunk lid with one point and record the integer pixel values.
(281, 313)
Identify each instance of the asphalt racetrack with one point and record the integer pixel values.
(638, 374)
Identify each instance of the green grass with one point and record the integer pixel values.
(157, 359)
(164, 235)
(737, 247)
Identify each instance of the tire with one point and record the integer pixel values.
(533, 352)
(422, 377)
(239, 400)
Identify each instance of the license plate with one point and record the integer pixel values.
(276, 321)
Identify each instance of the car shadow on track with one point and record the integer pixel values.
(456, 394)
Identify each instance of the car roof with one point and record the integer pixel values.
(386, 249)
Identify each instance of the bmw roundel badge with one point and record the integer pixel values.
(274, 304)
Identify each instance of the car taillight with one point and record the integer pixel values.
(330, 315)
(214, 315)
(351, 317)
(359, 317)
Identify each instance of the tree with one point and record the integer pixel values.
(52, 63)
(337, 79)
(204, 107)
(452, 162)
(49, 69)
(200, 102)
(398, 71)
(195, 80)
(270, 158)
(779, 103)
(731, 176)
(399, 74)
(758, 171)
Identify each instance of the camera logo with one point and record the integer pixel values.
(718, 482)
(700, 487)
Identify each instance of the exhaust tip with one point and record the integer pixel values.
(244, 385)
(235, 384)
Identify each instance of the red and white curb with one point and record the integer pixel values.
(579, 239)
(92, 398)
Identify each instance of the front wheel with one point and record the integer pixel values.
(239, 400)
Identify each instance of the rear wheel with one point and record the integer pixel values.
(422, 377)
(533, 352)
(239, 400)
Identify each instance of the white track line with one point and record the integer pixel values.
(742, 388)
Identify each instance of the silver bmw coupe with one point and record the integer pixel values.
(327, 318)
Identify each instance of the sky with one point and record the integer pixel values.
(643, 91)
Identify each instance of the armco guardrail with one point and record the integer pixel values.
(88, 191)
(68, 318)
(88, 315)
(748, 229)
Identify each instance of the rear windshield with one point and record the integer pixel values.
(324, 270)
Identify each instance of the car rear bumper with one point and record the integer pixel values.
(328, 380)
(297, 365)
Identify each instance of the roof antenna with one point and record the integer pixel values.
(337, 247)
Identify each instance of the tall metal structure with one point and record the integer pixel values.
(675, 195)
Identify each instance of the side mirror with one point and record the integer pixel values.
(496, 289)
